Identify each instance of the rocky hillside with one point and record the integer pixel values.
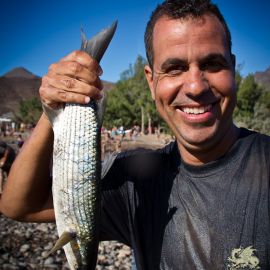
(20, 84)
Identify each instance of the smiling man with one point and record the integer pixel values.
(192, 82)
(201, 202)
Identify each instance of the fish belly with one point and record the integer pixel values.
(76, 175)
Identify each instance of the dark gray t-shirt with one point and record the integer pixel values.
(177, 216)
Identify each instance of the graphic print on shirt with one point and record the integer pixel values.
(243, 258)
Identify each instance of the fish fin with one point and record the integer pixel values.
(51, 113)
(64, 239)
(98, 44)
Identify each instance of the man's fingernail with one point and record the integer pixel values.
(87, 100)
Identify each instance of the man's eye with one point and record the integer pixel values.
(173, 71)
(213, 66)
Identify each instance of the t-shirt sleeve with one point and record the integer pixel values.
(114, 211)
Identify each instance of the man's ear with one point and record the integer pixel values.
(149, 76)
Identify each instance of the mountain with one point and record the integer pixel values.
(20, 84)
(15, 86)
(20, 72)
(263, 78)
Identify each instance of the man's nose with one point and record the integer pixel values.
(195, 83)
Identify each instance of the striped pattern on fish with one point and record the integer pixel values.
(76, 196)
(77, 169)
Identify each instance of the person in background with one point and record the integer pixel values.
(7, 157)
(20, 141)
(3, 130)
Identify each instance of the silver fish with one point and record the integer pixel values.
(77, 169)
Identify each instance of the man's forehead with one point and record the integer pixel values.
(199, 21)
(204, 29)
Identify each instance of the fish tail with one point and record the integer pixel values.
(64, 239)
(97, 45)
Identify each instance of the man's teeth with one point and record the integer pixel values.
(197, 110)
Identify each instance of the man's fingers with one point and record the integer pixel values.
(74, 70)
(74, 79)
(84, 59)
(72, 85)
(52, 96)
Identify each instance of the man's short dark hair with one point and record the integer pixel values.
(181, 9)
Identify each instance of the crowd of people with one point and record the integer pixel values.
(7, 156)
(112, 139)
(12, 138)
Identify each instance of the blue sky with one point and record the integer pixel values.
(36, 33)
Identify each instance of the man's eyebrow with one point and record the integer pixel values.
(214, 56)
(172, 62)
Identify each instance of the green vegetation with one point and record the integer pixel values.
(130, 102)
(253, 105)
(29, 111)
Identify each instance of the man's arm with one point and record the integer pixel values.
(27, 194)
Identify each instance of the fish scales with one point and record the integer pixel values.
(77, 169)
(77, 164)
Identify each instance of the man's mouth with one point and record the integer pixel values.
(196, 110)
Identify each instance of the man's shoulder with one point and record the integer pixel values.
(257, 141)
(249, 134)
(138, 159)
(142, 153)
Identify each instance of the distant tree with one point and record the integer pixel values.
(265, 98)
(261, 119)
(130, 100)
(253, 106)
(29, 110)
(248, 94)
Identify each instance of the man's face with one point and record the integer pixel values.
(192, 81)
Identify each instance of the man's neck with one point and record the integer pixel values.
(200, 156)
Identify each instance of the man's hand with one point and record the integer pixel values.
(74, 79)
